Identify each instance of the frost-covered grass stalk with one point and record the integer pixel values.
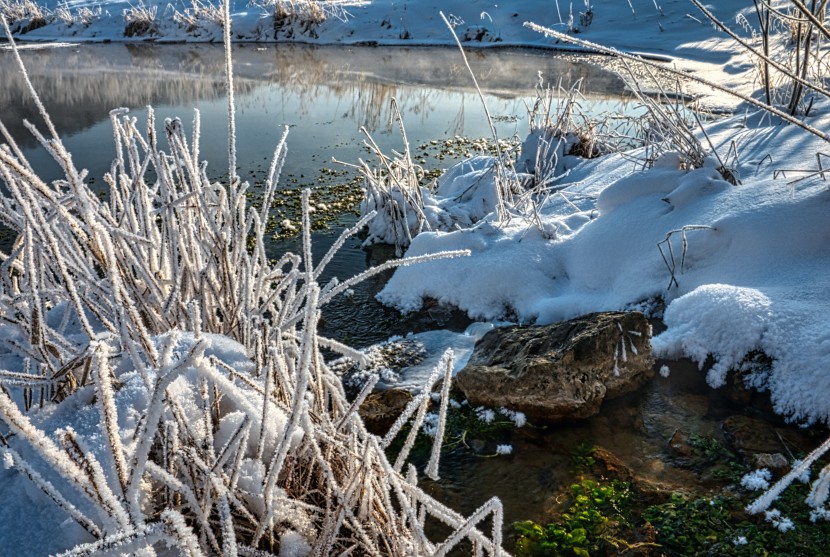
(506, 178)
(393, 190)
(782, 114)
(222, 429)
(791, 60)
(817, 499)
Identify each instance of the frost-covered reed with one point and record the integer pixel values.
(222, 430)
(667, 71)
(392, 189)
(789, 48)
(311, 12)
(23, 15)
(201, 14)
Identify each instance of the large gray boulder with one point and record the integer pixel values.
(562, 371)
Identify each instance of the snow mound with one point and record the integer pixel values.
(718, 320)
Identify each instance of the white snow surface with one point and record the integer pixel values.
(430, 346)
(754, 277)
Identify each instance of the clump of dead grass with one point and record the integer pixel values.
(24, 16)
(201, 15)
(141, 21)
(241, 440)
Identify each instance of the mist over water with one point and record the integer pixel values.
(326, 94)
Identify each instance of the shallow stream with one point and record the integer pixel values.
(326, 95)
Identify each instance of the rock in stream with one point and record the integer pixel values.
(561, 371)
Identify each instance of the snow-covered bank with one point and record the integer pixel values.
(752, 276)
(670, 30)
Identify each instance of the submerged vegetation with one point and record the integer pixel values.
(591, 524)
(605, 516)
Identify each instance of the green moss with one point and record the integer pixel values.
(688, 526)
(604, 518)
(591, 525)
(710, 449)
(719, 526)
(582, 456)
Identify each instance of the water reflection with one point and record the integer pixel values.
(81, 83)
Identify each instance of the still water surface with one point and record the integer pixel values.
(325, 94)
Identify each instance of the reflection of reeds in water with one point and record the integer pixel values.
(370, 107)
(312, 80)
(456, 125)
(80, 86)
(81, 83)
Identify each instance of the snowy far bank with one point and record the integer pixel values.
(670, 30)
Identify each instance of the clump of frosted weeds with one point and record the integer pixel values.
(23, 15)
(558, 128)
(291, 17)
(156, 313)
(141, 21)
(201, 15)
(310, 12)
(393, 190)
(82, 16)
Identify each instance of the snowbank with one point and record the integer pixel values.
(753, 274)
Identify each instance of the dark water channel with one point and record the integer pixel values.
(326, 95)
